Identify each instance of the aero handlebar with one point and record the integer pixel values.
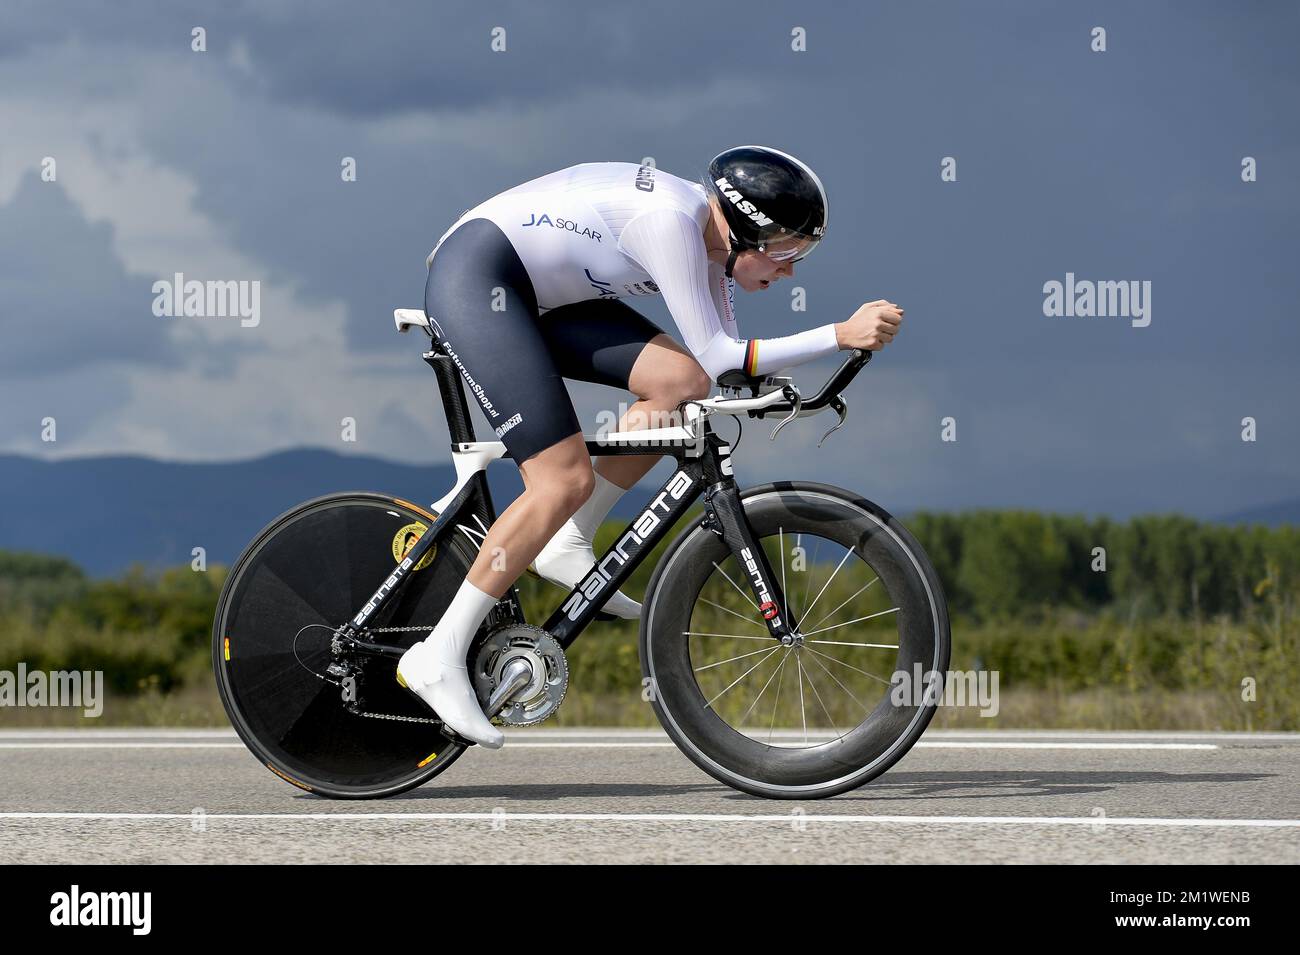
(829, 393)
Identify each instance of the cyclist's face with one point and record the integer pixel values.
(755, 270)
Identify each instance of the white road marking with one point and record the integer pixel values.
(1035, 745)
(940, 734)
(118, 733)
(58, 745)
(921, 745)
(651, 733)
(578, 744)
(662, 817)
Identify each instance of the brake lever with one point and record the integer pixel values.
(842, 408)
(791, 394)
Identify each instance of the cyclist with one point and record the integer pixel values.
(525, 289)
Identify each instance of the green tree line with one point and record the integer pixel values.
(1013, 564)
(1057, 604)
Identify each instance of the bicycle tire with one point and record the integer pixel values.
(729, 755)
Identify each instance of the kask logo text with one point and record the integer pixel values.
(741, 203)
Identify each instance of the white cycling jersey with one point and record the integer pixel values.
(612, 229)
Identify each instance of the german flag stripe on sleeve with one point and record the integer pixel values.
(751, 357)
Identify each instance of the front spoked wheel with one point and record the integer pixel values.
(851, 694)
(335, 724)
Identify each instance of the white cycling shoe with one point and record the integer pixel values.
(446, 689)
(568, 557)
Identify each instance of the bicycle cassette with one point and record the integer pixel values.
(542, 695)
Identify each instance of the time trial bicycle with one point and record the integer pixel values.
(776, 632)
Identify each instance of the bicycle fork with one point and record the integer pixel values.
(724, 514)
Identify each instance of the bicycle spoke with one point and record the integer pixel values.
(808, 589)
(870, 616)
(745, 715)
(710, 666)
(864, 587)
(847, 555)
(865, 708)
(803, 714)
(734, 636)
(791, 608)
(845, 643)
(829, 719)
(734, 584)
(742, 676)
(777, 701)
(849, 665)
(734, 614)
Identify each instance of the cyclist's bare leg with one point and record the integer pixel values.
(664, 375)
(557, 480)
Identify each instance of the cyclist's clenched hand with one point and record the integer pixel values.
(873, 326)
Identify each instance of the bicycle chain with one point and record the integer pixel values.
(401, 719)
(393, 716)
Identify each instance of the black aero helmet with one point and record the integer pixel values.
(769, 198)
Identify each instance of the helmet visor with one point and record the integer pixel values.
(790, 247)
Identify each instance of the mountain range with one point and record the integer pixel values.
(107, 513)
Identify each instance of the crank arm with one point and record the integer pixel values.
(517, 675)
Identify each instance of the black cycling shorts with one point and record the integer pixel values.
(482, 309)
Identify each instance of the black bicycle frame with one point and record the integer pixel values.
(706, 471)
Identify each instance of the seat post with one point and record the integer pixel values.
(459, 424)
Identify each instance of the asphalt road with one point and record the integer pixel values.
(107, 796)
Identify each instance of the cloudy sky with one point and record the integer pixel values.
(1122, 165)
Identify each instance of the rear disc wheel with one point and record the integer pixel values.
(352, 733)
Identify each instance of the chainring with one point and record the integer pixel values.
(543, 694)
